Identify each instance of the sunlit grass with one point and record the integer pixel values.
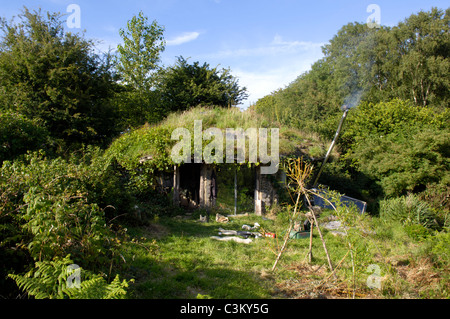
(180, 260)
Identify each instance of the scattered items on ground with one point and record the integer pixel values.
(244, 234)
(335, 226)
(239, 236)
(233, 238)
(297, 226)
(310, 218)
(317, 211)
(247, 227)
(272, 235)
(203, 219)
(299, 234)
(222, 219)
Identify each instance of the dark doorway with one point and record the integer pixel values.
(190, 181)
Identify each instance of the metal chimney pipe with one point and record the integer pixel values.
(345, 108)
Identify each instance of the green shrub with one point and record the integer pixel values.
(19, 134)
(441, 246)
(408, 210)
(402, 147)
(417, 232)
(64, 223)
(57, 207)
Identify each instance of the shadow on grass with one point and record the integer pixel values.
(166, 282)
(189, 264)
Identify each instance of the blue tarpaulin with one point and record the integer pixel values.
(346, 200)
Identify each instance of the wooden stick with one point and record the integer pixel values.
(321, 238)
(286, 237)
(310, 256)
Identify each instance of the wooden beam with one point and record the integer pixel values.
(176, 185)
(259, 205)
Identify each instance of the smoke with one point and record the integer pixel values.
(359, 59)
(353, 99)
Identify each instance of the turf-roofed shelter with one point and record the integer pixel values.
(148, 152)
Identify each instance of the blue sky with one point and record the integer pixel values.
(266, 44)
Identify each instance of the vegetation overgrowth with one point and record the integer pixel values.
(77, 199)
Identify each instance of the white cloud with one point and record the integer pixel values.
(275, 48)
(183, 38)
(296, 45)
(262, 82)
(268, 68)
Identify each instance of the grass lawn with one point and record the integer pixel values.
(176, 258)
(188, 263)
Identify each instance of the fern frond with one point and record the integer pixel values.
(48, 280)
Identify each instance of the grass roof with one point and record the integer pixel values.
(153, 143)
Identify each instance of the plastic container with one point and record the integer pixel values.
(299, 234)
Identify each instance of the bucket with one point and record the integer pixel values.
(299, 234)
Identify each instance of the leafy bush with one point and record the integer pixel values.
(417, 232)
(19, 134)
(185, 85)
(440, 244)
(64, 223)
(58, 207)
(402, 147)
(50, 208)
(54, 76)
(408, 210)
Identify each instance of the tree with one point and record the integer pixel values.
(55, 77)
(409, 61)
(187, 85)
(351, 56)
(137, 63)
(423, 41)
(139, 56)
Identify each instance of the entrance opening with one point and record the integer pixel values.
(245, 181)
(190, 182)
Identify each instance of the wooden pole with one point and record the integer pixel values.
(310, 256)
(176, 185)
(235, 191)
(321, 238)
